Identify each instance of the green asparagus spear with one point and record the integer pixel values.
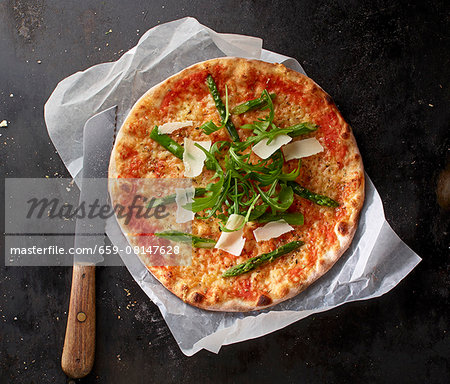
(171, 145)
(301, 129)
(254, 262)
(221, 108)
(197, 242)
(167, 142)
(260, 102)
(316, 198)
(290, 218)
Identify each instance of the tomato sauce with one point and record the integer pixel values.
(330, 133)
(243, 288)
(133, 168)
(192, 85)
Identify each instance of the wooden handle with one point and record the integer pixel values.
(79, 343)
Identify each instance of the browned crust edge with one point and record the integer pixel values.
(237, 305)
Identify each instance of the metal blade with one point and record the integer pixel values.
(98, 140)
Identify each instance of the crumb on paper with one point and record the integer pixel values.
(11, 95)
(431, 105)
(39, 61)
(3, 123)
(108, 32)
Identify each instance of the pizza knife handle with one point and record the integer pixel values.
(79, 344)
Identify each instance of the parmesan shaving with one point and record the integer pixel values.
(272, 230)
(193, 157)
(232, 242)
(184, 196)
(171, 127)
(302, 148)
(264, 151)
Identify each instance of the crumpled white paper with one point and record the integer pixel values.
(376, 261)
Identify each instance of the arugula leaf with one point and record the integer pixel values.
(293, 174)
(209, 127)
(246, 218)
(213, 190)
(215, 150)
(277, 202)
(258, 211)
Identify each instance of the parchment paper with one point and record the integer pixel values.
(376, 261)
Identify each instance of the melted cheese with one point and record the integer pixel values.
(232, 242)
(171, 127)
(184, 196)
(272, 230)
(264, 151)
(193, 157)
(301, 148)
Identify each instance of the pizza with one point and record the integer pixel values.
(279, 177)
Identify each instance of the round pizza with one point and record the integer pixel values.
(277, 181)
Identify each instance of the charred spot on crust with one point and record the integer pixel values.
(263, 300)
(328, 99)
(357, 156)
(125, 187)
(346, 134)
(343, 228)
(357, 181)
(198, 297)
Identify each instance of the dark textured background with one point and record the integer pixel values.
(386, 64)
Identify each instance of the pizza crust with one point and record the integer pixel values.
(345, 179)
